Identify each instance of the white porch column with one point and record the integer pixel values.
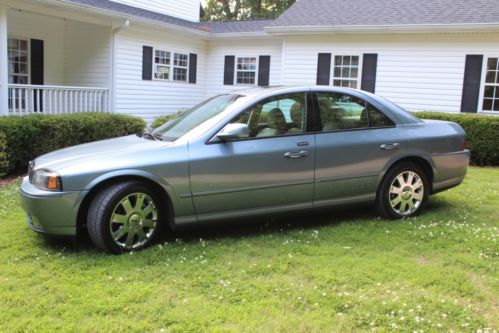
(4, 64)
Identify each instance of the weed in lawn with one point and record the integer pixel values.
(336, 271)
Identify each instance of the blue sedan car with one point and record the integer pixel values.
(248, 153)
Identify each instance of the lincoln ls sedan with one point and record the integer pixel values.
(247, 153)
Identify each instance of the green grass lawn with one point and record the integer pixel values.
(333, 272)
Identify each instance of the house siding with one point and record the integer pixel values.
(419, 72)
(218, 49)
(185, 9)
(87, 55)
(150, 98)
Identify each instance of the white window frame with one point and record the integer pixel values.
(483, 84)
(359, 70)
(171, 65)
(186, 67)
(28, 59)
(257, 63)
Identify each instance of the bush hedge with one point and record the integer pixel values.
(482, 133)
(33, 135)
(3, 155)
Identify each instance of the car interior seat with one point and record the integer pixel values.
(276, 124)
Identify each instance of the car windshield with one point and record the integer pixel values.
(179, 126)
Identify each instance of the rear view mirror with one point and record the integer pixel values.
(233, 132)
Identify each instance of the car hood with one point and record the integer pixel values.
(96, 151)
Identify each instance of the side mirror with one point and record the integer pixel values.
(233, 132)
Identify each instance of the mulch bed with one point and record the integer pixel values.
(7, 180)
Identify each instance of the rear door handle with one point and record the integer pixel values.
(390, 146)
(296, 154)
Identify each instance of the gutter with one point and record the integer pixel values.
(406, 28)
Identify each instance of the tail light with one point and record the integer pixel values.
(464, 144)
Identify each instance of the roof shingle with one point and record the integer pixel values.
(335, 13)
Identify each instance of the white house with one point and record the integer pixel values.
(152, 57)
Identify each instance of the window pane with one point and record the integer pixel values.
(354, 73)
(491, 77)
(489, 91)
(492, 64)
(179, 74)
(337, 83)
(162, 72)
(337, 61)
(337, 71)
(345, 72)
(346, 61)
(496, 105)
(487, 104)
(180, 59)
(355, 61)
(162, 57)
(245, 77)
(246, 70)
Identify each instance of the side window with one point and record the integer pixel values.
(340, 112)
(344, 112)
(378, 118)
(275, 116)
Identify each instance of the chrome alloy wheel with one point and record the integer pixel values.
(406, 193)
(133, 221)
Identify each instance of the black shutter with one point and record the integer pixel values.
(263, 71)
(37, 72)
(193, 65)
(324, 69)
(37, 62)
(147, 63)
(471, 84)
(369, 65)
(229, 70)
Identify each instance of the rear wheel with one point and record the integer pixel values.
(125, 217)
(403, 192)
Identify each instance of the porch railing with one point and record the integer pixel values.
(38, 99)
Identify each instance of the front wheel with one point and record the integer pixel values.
(403, 192)
(124, 217)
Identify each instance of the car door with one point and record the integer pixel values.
(353, 143)
(271, 168)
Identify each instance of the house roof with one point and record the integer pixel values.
(313, 15)
(336, 13)
(209, 27)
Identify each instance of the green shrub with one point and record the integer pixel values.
(482, 133)
(158, 121)
(30, 136)
(3, 155)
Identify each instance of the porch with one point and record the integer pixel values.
(51, 64)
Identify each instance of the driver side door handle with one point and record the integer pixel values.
(296, 154)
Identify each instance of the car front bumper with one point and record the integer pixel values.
(51, 213)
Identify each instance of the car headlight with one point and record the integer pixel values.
(46, 180)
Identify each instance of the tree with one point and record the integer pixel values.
(226, 10)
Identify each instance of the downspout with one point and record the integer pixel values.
(115, 31)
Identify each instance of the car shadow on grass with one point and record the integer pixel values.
(254, 227)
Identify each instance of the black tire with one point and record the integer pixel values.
(410, 191)
(114, 211)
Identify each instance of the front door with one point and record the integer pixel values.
(271, 168)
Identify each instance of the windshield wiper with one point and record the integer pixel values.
(151, 136)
